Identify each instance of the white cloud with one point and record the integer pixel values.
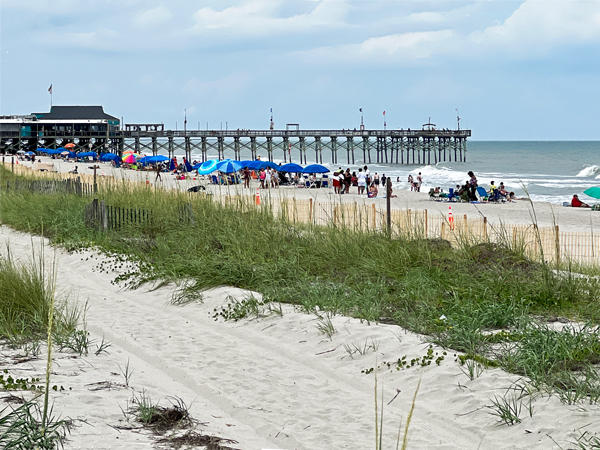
(430, 17)
(539, 25)
(259, 18)
(153, 17)
(405, 48)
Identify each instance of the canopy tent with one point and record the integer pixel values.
(291, 167)
(110, 157)
(315, 168)
(86, 154)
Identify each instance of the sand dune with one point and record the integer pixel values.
(273, 382)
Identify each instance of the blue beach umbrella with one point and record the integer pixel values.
(254, 165)
(30, 153)
(85, 154)
(270, 164)
(41, 150)
(157, 159)
(315, 168)
(229, 166)
(245, 163)
(207, 167)
(291, 167)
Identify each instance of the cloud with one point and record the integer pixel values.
(153, 17)
(259, 18)
(405, 48)
(538, 26)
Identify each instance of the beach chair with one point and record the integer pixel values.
(325, 181)
(451, 196)
(483, 195)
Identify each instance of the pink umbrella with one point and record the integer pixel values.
(129, 160)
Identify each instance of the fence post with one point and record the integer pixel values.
(557, 243)
(95, 185)
(485, 237)
(442, 228)
(426, 225)
(103, 215)
(374, 217)
(12, 164)
(310, 210)
(388, 201)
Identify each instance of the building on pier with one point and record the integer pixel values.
(90, 127)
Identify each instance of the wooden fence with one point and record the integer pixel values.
(101, 216)
(50, 186)
(549, 243)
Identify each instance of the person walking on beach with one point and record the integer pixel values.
(158, 170)
(419, 182)
(376, 179)
(361, 181)
(411, 181)
(246, 176)
(367, 176)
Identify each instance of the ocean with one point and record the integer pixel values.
(550, 171)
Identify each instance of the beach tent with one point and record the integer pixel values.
(86, 154)
(110, 157)
(187, 167)
(206, 167)
(229, 166)
(291, 167)
(173, 164)
(315, 168)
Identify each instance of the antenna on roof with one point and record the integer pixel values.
(457, 120)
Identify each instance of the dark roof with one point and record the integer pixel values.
(76, 113)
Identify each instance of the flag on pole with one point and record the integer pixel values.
(50, 89)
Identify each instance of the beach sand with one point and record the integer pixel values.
(521, 212)
(274, 382)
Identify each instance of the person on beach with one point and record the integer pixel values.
(158, 170)
(336, 183)
(362, 179)
(267, 178)
(576, 203)
(246, 176)
(472, 183)
(411, 181)
(261, 177)
(367, 176)
(373, 191)
(347, 181)
(354, 179)
(419, 182)
(376, 179)
(383, 179)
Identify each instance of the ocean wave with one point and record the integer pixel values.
(589, 171)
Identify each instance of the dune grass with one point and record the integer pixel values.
(406, 280)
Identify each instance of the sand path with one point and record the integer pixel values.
(270, 383)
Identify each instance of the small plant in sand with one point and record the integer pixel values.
(248, 307)
(419, 361)
(325, 325)
(361, 349)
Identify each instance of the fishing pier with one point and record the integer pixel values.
(89, 128)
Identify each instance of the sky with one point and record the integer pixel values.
(515, 70)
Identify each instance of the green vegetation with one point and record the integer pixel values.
(460, 297)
